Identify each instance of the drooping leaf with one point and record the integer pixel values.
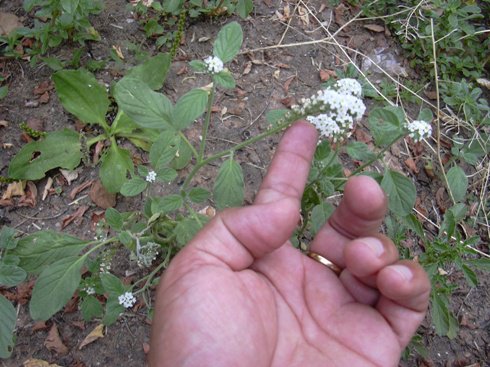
(187, 228)
(7, 238)
(470, 275)
(134, 186)
(114, 219)
(145, 107)
(224, 79)
(56, 149)
(359, 151)
(115, 165)
(81, 95)
(153, 71)
(319, 216)
(189, 107)
(198, 195)
(198, 66)
(385, 126)
(11, 275)
(442, 318)
(55, 286)
(228, 42)
(228, 188)
(7, 325)
(112, 284)
(183, 155)
(163, 149)
(112, 310)
(91, 308)
(166, 204)
(414, 224)
(401, 192)
(458, 183)
(481, 264)
(43, 248)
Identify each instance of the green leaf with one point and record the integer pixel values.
(166, 204)
(426, 115)
(470, 275)
(198, 195)
(198, 66)
(244, 7)
(114, 219)
(187, 228)
(69, 6)
(55, 286)
(43, 248)
(153, 71)
(224, 79)
(183, 155)
(359, 151)
(228, 42)
(166, 174)
(481, 264)
(3, 92)
(112, 284)
(145, 107)
(7, 238)
(189, 107)
(385, 126)
(163, 150)
(56, 149)
(11, 275)
(114, 167)
(133, 187)
(81, 95)
(228, 188)
(112, 310)
(458, 182)
(320, 215)
(401, 192)
(91, 308)
(7, 326)
(273, 117)
(442, 318)
(53, 63)
(413, 223)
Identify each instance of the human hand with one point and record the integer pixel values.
(240, 295)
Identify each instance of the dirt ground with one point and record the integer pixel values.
(266, 79)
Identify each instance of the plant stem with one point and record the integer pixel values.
(223, 153)
(150, 276)
(205, 126)
(96, 139)
(191, 147)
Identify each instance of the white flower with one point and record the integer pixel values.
(151, 176)
(127, 299)
(419, 130)
(147, 254)
(104, 267)
(214, 64)
(349, 86)
(146, 3)
(89, 290)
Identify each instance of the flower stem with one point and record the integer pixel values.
(205, 126)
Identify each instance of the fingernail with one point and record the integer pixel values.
(374, 245)
(404, 271)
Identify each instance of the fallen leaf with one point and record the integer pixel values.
(326, 74)
(79, 324)
(363, 136)
(42, 88)
(79, 189)
(288, 101)
(431, 94)
(97, 216)
(77, 214)
(69, 175)
(440, 200)
(53, 341)
(248, 68)
(117, 50)
(375, 28)
(287, 83)
(14, 189)
(30, 197)
(47, 187)
(3, 123)
(95, 334)
(411, 165)
(32, 362)
(340, 14)
(101, 197)
(303, 15)
(24, 291)
(98, 149)
(72, 305)
(44, 98)
(39, 325)
(35, 123)
(182, 70)
(8, 23)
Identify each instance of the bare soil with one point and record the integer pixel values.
(266, 79)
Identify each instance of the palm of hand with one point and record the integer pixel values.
(241, 295)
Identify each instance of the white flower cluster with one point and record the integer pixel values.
(419, 130)
(104, 267)
(147, 254)
(89, 290)
(127, 299)
(151, 176)
(342, 106)
(214, 64)
(146, 3)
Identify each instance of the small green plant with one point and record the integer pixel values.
(3, 89)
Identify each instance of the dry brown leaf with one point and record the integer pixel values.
(340, 13)
(440, 199)
(303, 15)
(14, 189)
(47, 187)
(43, 87)
(39, 325)
(101, 197)
(44, 98)
(288, 101)
(411, 165)
(35, 123)
(326, 74)
(53, 341)
(30, 197)
(375, 28)
(4, 123)
(431, 94)
(96, 333)
(8, 23)
(363, 136)
(248, 68)
(32, 362)
(287, 83)
(69, 175)
(72, 217)
(79, 189)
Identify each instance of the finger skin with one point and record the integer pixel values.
(405, 290)
(359, 214)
